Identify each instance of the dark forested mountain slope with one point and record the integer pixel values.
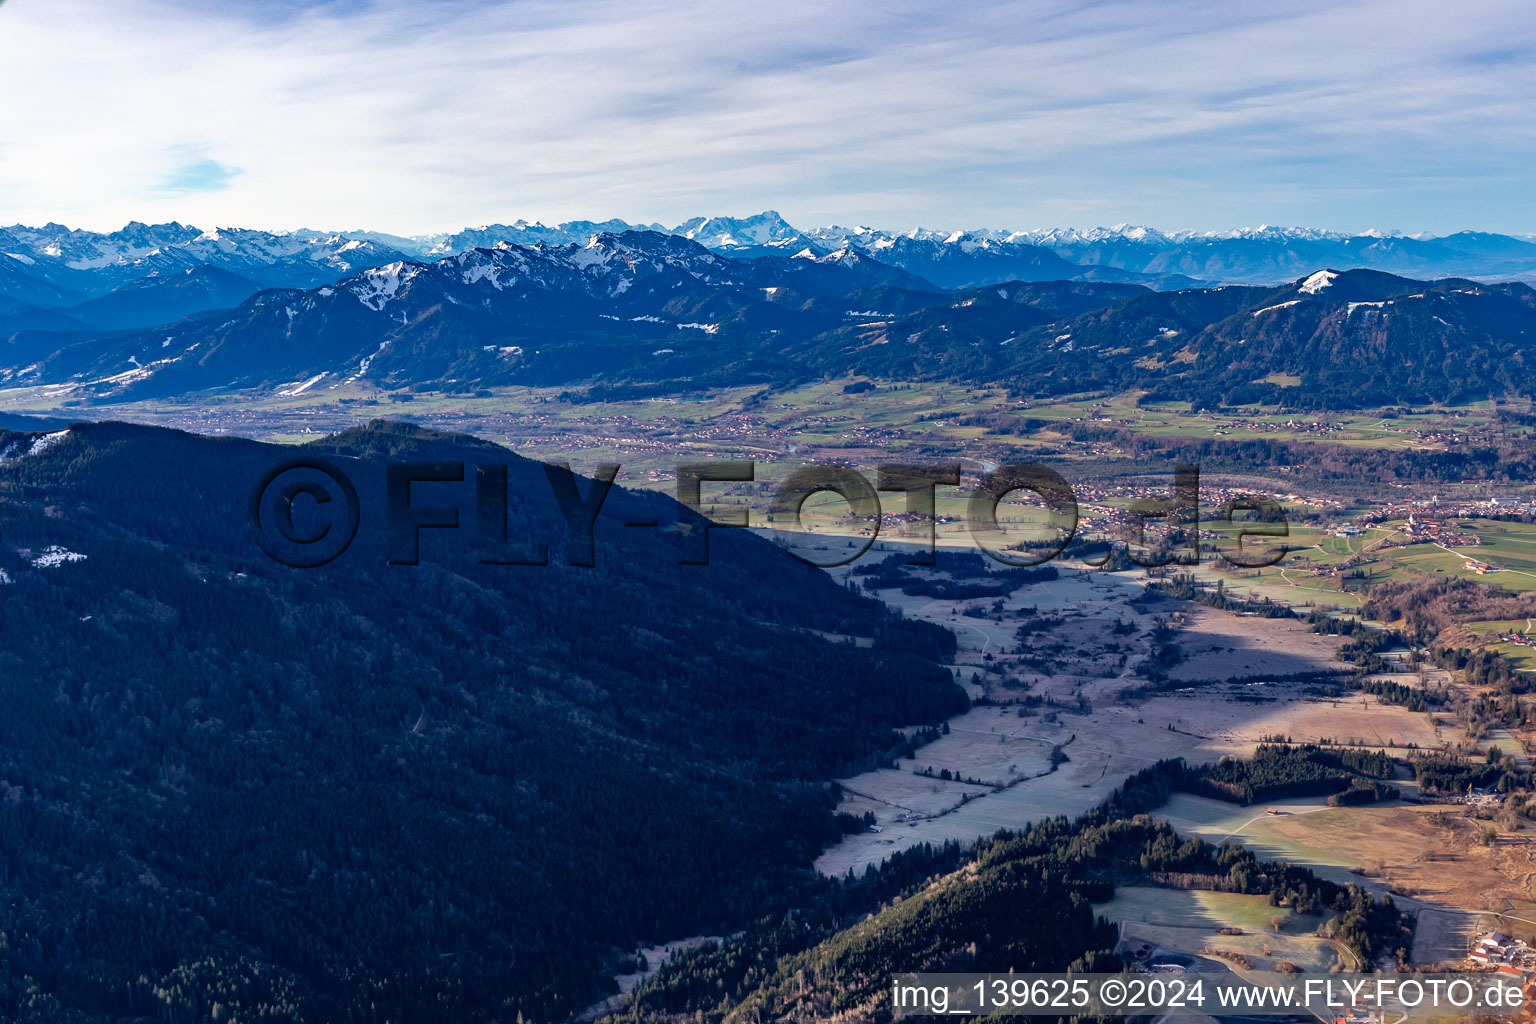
(162, 298)
(1331, 340)
(1365, 337)
(21, 285)
(370, 792)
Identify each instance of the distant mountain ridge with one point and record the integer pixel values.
(34, 260)
(754, 300)
(657, 312)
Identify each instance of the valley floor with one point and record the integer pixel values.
(994, 769)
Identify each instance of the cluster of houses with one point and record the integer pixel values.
(1518, 638)
(1504, 955)
(896, 520)
(1479, 796)
(1434, 508)
(1262, 426)
(1434, 530)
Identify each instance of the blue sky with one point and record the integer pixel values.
(416, 117)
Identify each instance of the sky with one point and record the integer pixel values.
(430, 116)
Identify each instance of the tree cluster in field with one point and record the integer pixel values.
(1445, 773)
(1389, 691)
(1482, 668)
(1429, 607)
(1283, 770)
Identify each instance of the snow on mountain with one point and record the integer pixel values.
(734, 232)
(377, 285)
(1317, 282)
(523, 232)
(94, 263)
(60, 265)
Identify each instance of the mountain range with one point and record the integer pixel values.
(645, 309)
(164, 310)
(34, 260)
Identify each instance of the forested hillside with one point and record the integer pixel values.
(410, 793)
(1019, 903)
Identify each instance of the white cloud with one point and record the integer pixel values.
(414, 117)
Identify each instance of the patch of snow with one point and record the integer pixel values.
(593, 254)
(299, 389)
(28, 260)
(378, 286)
(647, 318)
(663, 352)
(487, 272)
(47, 441)
(53, 556)
(1317, 282)
(5, 578)
(1271, 309)
(40, 444)
(362, 367)
(706, 328)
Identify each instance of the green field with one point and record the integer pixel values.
(1203, 909)
(1192, 922)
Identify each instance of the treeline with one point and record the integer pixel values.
(1428, 607)
(1390, 692)
(1447, 774)
(1184, 587)
(1363, 791)
(1482, 667)
(970, 576)
(1345, 469)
